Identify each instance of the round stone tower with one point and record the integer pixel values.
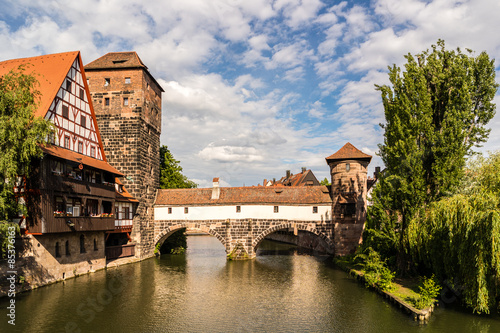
(348, 168)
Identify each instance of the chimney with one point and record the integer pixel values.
(287, 174)
(264, 183)
(215, 189)
(304, 169)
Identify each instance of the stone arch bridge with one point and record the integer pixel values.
(242, 237)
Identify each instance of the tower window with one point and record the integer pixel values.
(127, 80)
(315, 209)
(347, 167)
(238, 209)
(106, 101)
(186, 210)
(170, 210)
(276, 209)
(125, 101)
(107, 81)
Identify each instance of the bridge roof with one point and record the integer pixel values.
(307, 195)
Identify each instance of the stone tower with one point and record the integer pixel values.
(348, 168)
(127, 104)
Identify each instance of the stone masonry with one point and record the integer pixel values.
(127, 104)
(242, 237)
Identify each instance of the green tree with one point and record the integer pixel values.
(325, 182)
(21, 134)
(436, 111)
(171, 172)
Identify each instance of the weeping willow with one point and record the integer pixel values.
(458, 238)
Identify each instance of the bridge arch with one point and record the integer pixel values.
(161, 237)
(290, 225)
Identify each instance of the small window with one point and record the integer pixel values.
(125, 101)
(82, 94)
(82, 244)
(127, 80)
(66, 142)
(347, 167)
(80, 147)
(92, 152)
(238, 209)
(170, 210)
(107, 81)
(65, 111)
(95, 245)
(315, 209)
(67, 248)
(58, 253)
(68, 85)
(276, 209)
(186, 210)
(83, 121)
(106, 101)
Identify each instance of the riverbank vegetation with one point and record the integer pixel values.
(435, 207)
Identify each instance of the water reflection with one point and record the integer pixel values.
(282, 290)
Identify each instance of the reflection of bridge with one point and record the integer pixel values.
(242, 237)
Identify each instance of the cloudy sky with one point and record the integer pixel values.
(254, 88)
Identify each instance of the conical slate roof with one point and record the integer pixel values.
(348, 152)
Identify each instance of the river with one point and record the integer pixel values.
(282, 290)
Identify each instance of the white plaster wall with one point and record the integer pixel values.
(203, 213)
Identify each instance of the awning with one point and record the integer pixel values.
(70, 155)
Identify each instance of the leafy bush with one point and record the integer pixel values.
(375, 271)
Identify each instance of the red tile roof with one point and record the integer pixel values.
(348, 152)
(245, 195)
(124, 195)
(80, 158)
(50, 71)
(119, 60)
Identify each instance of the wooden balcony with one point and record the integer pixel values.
(73, 224)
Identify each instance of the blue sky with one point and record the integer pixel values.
(254, 88)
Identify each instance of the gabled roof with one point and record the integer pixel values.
(303, 195)
(50, 70)
(117, 60)
(348, 152)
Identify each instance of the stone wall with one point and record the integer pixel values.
(131, 139)
(242, 237)
(39, 264)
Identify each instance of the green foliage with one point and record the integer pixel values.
(4, 228)
(325, 182)
(21, 133)
(375, 271)
(436, 111)
(458, 237)
(171, 172)
(429, 289)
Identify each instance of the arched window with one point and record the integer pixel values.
(95, 245)
(58, 254)
(82, 244)
(67, 248)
